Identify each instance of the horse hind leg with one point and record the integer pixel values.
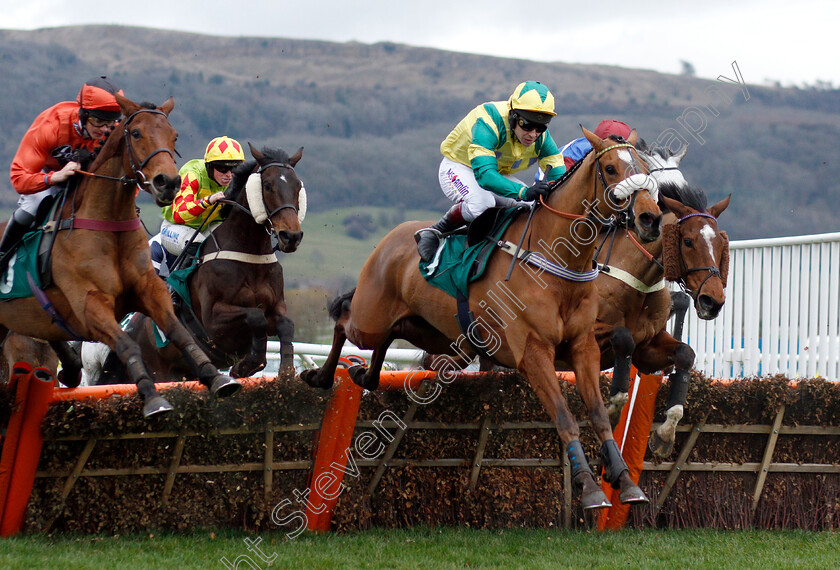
(661, 441)
(622, 344)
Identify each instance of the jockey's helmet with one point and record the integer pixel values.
(96, 99)
(223, 153)
(532, 101)
(612, 127)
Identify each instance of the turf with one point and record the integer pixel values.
(430, 548)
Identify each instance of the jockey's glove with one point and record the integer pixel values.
(539, 188)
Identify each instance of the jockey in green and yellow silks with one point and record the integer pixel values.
(481, 154)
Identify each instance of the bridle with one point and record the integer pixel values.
(713, 270)
(137, 170)
(266, 223)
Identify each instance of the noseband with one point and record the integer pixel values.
(287, 205)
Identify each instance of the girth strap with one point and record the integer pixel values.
(465, 321)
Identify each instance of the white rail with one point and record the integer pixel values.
(781, 313)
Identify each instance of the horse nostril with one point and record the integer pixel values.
(708, 304)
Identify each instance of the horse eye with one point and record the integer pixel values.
(135, 133)
(688, 242)
(610, 169)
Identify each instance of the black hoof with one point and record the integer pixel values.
(224, 386)
(362, 377)
(157, 407)
(315, 379)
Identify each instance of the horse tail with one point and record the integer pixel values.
(340, 305)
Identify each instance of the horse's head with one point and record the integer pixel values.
(695, 253)
(625, 189)
(149, 156)
(276, 195)
(663, 165)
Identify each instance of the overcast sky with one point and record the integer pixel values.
(790, 42)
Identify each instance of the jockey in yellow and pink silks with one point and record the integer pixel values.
(203, 183)
(483, 151)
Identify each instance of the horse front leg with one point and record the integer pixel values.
(585, 357)
(156, 302)
(286, 334)
(621, 341)
(99, 318)
(324, 377)
(230, 323)
(663, 351)
(537, 365)
(369, 379)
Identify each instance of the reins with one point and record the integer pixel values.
(566, 215)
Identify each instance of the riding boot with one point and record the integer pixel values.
(428, 239)
(18, 225)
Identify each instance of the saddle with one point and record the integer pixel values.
(462, 260)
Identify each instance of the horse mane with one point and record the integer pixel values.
(692, 196)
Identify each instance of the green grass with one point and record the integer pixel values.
(434, 548)
(327, 253)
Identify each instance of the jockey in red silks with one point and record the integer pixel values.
(483, 151)
(577, 149)
(45, 158)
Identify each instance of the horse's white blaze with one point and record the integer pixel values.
(283, 178)
(709, 234)
(624, 156)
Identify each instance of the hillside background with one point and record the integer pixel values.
(371, 118)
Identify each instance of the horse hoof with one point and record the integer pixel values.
(224, 386)
(69, 380)
(156, 407)
(660, 447)
(315, 379)
(362, 377)
(632, 495)
(595, 499)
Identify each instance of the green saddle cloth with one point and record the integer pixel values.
(23, 261)
(455, 265)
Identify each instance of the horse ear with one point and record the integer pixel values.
(167, 106)
(718, 208)
(127, 106)
(633, 137)
(293, 160)
(254, 152)
(593, 139)
(675, 206)
(681, 155)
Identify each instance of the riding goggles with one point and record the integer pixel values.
(529, 126)
(98, 123)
